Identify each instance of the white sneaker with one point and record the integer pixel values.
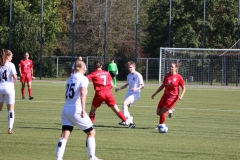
(170, 112)
(95, 158)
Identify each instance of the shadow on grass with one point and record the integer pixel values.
(106, 126)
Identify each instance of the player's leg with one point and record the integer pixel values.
(119, 113)
(10, 101)
(162, 113)
(125, 104)
(67, 127)
(1, 106)
(1, 102)
(61, 144)
(86, 125)
(96, 102)
(110, 101)
(23, 89)
(92, 113)
(170, 112)
(11, 117)
(114, 81)
(29, 84)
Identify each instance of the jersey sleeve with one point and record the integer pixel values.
(90, 76)
(13, 69)
(140, 78)
(85, 82)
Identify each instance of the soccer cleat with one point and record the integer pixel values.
(95, 158)
(10, 131)
(122, 123)
(132, 125)
(170, 112)
(30, 98)
(23, 98)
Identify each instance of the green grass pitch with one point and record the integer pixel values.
(205, 126)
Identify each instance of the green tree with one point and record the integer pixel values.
(187, 25)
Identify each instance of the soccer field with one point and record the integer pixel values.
(204, 126)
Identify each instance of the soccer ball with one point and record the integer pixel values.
(162, 128)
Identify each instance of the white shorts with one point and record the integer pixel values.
(8, 96)
(71, 115)
(132, 97)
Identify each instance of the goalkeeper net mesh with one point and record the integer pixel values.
(202, 66)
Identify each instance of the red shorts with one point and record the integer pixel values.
(103, 96)
(167, 102)
(26, 77)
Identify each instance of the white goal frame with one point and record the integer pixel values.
(169, 54)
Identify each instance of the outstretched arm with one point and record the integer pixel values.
(183, 92)
(120, 88)
(158, 90)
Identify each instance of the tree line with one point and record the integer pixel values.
(220, 30)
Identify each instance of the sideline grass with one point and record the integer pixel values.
(205, 126)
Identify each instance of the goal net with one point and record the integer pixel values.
(202, 66)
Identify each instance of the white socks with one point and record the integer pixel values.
(10, 119)
(61, 145)
(126, 112)
(91, 147)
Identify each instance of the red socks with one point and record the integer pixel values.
(92, 116)
(121, 116)
(23, 92)
(162, 119)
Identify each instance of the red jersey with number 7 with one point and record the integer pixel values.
(101, 80)
(26, 65)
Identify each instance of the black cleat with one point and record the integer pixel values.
(132, 125)
(30, 98)
(122, 123)
(23, 98)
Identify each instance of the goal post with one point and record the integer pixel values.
(200, 66)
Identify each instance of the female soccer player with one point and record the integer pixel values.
(73, 112)
(171, 83)
(8, 76)
(135, 83)
(102, 82)
(113, 70)
(26, 73)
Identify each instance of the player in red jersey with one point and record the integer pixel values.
(102, 83)
(26, 73)
(171, 82)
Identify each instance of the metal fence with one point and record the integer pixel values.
(60, 66)
(199, 66)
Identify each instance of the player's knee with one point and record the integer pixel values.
(90, 132)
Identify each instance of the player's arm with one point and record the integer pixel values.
(183, 92)
(14, 78)
(120, 88)
(83, 94)
(158, 90)
(32, 72)
(138, 88)
(19, 66)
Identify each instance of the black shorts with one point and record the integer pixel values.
(112, 73)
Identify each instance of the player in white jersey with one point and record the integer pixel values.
(135, 84)
(8, 76)
(73, 112)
